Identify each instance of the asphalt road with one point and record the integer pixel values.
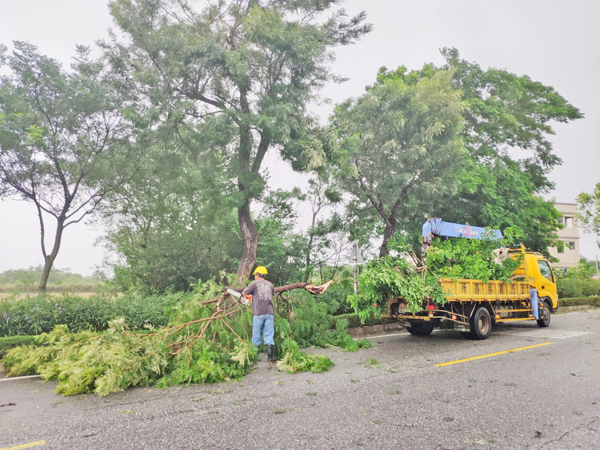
(543, 395)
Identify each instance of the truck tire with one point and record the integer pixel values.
(544, 320)
(420, 328)
(481, 324)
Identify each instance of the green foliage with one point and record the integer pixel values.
(295, 360)
(585, 269)
(40, 314)
(334, 299)
(499, 188)
(588, 206)
(393, 277)
(22, 279)
(207, 363)
(578, 281)
(91, 362)
(571, 287)
(230, 82)
(201, 343)
(354, 320)
(397, 146)
(339, 337)
(280, 248)
(576, 301)
(171, 225)
(470, 259)
(8, 342)
(63, 138)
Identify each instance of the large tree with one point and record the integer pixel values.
(240, 74)
(170, 225)
(507, 127)
(63, 143)
(397, 144)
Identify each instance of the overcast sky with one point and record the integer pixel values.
(555, 42)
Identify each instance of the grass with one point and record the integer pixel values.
(21, 288)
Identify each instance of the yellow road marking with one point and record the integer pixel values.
(491, 354)
(31, 444)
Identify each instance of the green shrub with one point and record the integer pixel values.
(6, 343)
(592, 301)
(40, 314)
(571, 287)
(590, 288)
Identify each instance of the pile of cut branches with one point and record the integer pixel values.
(206, 341)
(416, 281)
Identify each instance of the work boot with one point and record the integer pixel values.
(270, 356)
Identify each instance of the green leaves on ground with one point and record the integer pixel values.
(207, 340)
(295, 360)
(91, 362)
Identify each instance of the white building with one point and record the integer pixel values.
(569, 235)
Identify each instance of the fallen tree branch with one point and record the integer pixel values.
(306, 286)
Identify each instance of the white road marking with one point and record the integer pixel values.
(544, 333)
(380, 336)
(20, 378)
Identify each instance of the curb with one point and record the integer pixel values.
(566, 309)
(373, 329)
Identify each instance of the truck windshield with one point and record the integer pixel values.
(545, 270)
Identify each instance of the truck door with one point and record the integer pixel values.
(547, 285)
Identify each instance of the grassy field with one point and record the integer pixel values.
(13, 296)
(19, 291)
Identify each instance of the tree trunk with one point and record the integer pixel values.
(308, 270)
(390, 228)
(250, 236)
(49, 259)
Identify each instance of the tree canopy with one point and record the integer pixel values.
(233, 78)
(399, 144)
(508, 121)
(63, 139)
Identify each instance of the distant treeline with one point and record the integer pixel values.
(29, 278)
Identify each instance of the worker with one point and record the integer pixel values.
(262, 292)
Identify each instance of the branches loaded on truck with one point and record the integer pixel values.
(473, 306)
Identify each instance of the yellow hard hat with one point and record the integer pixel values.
(260, 269)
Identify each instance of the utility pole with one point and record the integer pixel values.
(355, 262)
(356, 259)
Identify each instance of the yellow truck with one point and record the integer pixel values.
(473, 306)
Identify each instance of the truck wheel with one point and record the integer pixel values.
(420, 328)
(481, 324)
(544, 320)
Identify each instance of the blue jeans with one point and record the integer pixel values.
(266, 324)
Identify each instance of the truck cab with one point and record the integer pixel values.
(536, 270)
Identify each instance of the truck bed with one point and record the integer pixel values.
(465, 290)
